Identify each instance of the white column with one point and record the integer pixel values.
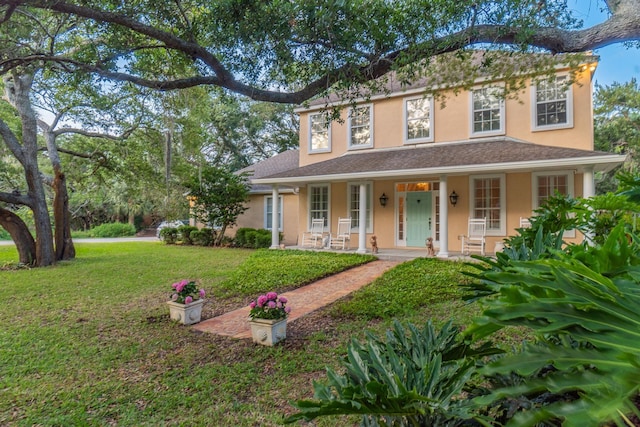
(362, 220)
(588, 190)
(588, 185)
(444, 219)
(275, 216)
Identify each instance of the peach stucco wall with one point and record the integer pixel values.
(451, 122)
(254, 216)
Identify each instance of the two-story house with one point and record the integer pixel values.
(405, 167)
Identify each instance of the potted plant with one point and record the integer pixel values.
(186, 302)
(268, 318)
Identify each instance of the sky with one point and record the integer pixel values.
(617, 63)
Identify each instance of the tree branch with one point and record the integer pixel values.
(16, 198)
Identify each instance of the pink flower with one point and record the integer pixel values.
(252, 305)
(174, 297)
(202, 293)
(262, 300)
(279, 304)
(284, 300)
(188, 300)
(272, 296)
(271, 304)
(174, 285)
(179, 287)
(287, 310)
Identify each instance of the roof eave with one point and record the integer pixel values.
(600, 163)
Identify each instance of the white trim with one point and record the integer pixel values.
(349, 136)
(319, 185)
(310, 135)
(405, 121)
(503, 202)
(534, 108)
(265, 210)
(370, 199)
(576, 162)
(502, 111)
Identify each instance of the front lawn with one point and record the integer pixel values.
(89, 342)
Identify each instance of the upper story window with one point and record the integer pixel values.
(488, 201)
(319, 133)
(418, 123)
(552, 104)
(487, 112)
(361, 127)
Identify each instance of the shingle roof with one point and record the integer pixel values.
(464, 157)
(285, 161)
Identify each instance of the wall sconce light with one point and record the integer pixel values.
(383, 200)
(453, 198)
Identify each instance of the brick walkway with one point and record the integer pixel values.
(303, 300)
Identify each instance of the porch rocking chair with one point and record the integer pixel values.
(343, 234)
(313, 237)
(475, 237)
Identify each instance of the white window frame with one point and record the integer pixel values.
(267, 220)
(311, 134)
(534, 107)
(536, 196)
(429, 117)
(355, 218)
(349, 132)
(501, 107)
(502, 231)
(328, 212)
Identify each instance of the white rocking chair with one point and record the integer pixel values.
(475, 237)
(343, 234)
(525, 223)
(313, 238)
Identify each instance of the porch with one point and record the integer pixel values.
(391, 254)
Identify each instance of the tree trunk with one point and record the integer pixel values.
(20, 234)
(45, 254)
(62, 218)
(219, 235)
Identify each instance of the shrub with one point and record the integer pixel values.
(202, 237)
(252, 238)
(241, 236)
(169, 235)
(116, 229)
(184, 233)
(4, 234)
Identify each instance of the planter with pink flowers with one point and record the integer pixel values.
(268, 319)
(186, 302)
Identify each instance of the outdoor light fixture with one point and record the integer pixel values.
(453, 198)
(383, 200)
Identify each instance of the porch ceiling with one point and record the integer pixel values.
(486, 156)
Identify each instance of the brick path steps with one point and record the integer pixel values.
(303, 300)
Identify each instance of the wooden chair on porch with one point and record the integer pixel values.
(313, 237)
(343, 234)
(474, 240)
(525, 223)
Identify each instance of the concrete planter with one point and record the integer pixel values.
(187, 314)
(268, 331)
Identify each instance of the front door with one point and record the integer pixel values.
(419, 217)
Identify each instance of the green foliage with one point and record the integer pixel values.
(116, 229)
(405, 288)
(219, 197)
(413, 377)
(302, 267)
(4, 234)
(184, 231)
(202, 237)
(583, 306)
(169, 235)
(252, 238)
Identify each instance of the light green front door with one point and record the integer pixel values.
(419, 217)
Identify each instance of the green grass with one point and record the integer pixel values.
(89, 342)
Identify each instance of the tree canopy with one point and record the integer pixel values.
(290, 51)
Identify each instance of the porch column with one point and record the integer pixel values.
(444, 219)
(275, 216)
(362, 220)
(588, 190)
